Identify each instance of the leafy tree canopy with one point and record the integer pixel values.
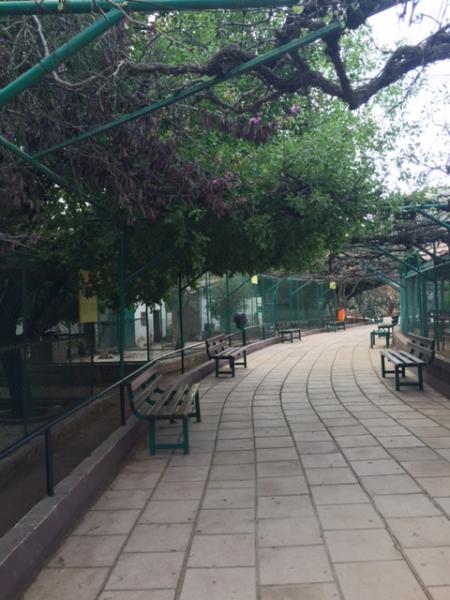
(270, 170)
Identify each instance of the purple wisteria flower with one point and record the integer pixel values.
(295, 109)
(256, 120)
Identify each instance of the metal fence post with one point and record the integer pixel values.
(147, 333)
(49, 471)
(227, 304)
(91, 351)
(180, 319)
(122, 268)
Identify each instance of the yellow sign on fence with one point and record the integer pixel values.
(87, 302)
(254, 279)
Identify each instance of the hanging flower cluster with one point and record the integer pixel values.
(256, 120)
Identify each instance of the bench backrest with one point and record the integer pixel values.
(394, 319)
(286, 325)
(421, 347)
(216, 345)
(143, 386)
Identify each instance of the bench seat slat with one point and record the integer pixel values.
(400, 357)
(158, 404)
(172, 399)
(408, 357)
(186, 405)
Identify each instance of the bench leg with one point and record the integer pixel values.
(198, 415)
(282, 338)
(152, 437)
(420, 375)
(387, 340)
(299, 335)
(245, 359)
(372, 339)
(232, 367)
(185, 435)
(383, 366)
(216, 360)
(397, 378)
(292, 337)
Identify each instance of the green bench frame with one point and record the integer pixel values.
(284, 328)
(220, 349)
(290, 331)
(335, 325)
(419, 354)
(180, 401)
(382, 331)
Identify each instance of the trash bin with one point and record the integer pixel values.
(340, 314)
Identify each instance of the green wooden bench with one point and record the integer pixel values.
(420, 352)
(335, 325)
(288, 330)
(149, 402)
(220, 349)
(375, 319)
(383, 331)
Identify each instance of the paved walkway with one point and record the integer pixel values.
(308, 479)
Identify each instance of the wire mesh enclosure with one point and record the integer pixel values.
(425, 303)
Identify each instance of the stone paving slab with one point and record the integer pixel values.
(310, 478)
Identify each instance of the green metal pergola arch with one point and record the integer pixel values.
(110, 17)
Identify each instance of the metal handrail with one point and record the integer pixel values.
(46, 429)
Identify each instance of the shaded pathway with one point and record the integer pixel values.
(308, 479)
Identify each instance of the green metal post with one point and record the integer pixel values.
(290, 299)
(91, 329)
(208, 306)
(122, 294)
(227, 304)
(423, 300)
(180, 319)
(70, 343)
(27, 409)
(274, 304)
(147, 334)
(255, 311)
(436, 321)
(52, 61)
